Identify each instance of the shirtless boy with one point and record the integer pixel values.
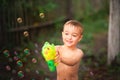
(68, 55)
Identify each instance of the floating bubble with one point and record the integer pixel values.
(15, 58)
(15, 53)
(20, 74)
(34, 60)
(36, 51)
(26, 33)
(19, 63)
(42, 15)
(36, 45)
(6, 53)
(8, 68)
(91, 73)
(26, 51)
(19, 20)
(37, 72)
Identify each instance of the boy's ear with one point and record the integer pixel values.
(62, 33)
(80, 37)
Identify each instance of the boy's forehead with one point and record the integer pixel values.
(75, 29)
(71, 27)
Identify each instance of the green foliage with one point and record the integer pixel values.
(116, 61)
(118, 58)
(94, 22)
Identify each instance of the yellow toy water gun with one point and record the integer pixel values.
(49, 53)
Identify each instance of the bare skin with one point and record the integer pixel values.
(67, 68)
(68, 55)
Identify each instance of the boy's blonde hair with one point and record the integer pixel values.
(75, 23)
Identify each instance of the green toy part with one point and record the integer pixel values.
(49, 53)
(51, 65)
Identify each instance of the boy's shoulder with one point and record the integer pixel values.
(80, 51)
(58, 46)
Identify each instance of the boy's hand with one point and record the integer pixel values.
(57, 57)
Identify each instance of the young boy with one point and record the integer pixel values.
(68, 55)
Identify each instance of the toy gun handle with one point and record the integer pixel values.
(51, 65)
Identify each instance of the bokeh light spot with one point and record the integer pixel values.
(8, 68)
(6, 53)
(34, 60)
(37, 72)
(15, 58)
(19, 63)
(42, 15)
(26, 51)
(20, 74)
(19, 20)
(15, 53)
(26, 33)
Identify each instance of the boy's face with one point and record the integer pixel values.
(71, 35)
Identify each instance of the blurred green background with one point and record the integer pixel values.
(27, 24)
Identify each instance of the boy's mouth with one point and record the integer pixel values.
(68, 41)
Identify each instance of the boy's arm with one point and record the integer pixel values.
(73, 60)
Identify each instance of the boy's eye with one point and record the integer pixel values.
(74, 35)
(66, 33)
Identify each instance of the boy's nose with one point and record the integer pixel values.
(69, 37)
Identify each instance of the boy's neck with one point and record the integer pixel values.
(70, 48)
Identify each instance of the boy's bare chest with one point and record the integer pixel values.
(68, 54)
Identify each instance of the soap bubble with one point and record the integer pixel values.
(8, 68)
(6, 53)
(91, 73)
(37, 72)
(42, 15)
(19, 63)
(15, 53)
(19, 20)
(36, 45)
(34, 60)
(26, 51)
(36, 51)
(26, 33)
(15, 58)
(20, 74)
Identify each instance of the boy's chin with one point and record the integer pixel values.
(68, 45)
